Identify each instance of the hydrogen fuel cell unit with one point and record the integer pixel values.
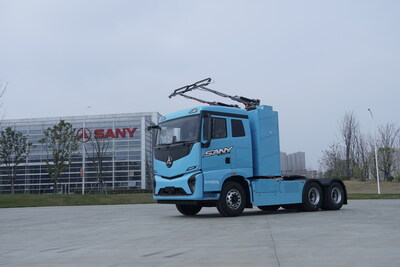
(226, 157)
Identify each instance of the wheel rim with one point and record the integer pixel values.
(336, 195)
(314, 196)
(233, 199)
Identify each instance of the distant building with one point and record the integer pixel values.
(284, 162)
(293, 164)
(297, 161)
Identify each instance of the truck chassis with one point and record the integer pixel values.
(326, 194)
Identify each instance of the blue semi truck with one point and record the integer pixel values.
(226, 157)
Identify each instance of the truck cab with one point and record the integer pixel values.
(198, 149)
(226, 157)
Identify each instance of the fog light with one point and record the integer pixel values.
(192, 182)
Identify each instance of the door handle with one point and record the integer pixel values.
(227, 160)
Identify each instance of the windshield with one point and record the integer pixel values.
(179, 130)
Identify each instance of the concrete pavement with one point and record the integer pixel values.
(363, 233)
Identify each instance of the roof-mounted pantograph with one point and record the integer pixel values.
(249, 104)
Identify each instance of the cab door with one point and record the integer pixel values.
(242, 155)
(216, 158)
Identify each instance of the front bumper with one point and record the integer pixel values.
(178, 189)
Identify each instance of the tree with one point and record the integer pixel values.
(14, 148)
(60, 142)
(3, 88)
(387, 152)
(340, 160)
(349, 128)
(332, 161)
(363, 157)
(353, 155)
(397, 167)
(100, 154)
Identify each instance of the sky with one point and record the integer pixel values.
(313, 61)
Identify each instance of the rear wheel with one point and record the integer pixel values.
(232, 200)
(312, 197)
(335, 197)
(188, 209)
(269, 208)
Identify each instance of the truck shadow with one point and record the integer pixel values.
(253, 212)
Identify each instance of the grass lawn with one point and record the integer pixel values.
(373, 196)
(368, 190)
(370, 187)
(13, 201)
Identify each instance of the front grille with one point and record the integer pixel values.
(172, 191)
(173, 177)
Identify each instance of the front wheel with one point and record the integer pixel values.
(232, 200)
(312, 197)
(188, 209)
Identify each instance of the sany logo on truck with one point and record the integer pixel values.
(218, 151)
(84, 134)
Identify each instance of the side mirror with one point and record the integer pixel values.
(208, 127)
(152, 127)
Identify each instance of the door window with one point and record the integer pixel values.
(237, 128)
(219, 128)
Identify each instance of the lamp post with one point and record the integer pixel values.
(376, 154)
(83, 150)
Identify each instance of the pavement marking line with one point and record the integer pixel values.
(174, 255)
(50, 249)
(152, 254)
(67, 250)
(273, 242)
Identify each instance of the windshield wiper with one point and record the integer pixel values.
(178, 142)
(168, 144)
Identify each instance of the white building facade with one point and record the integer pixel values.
(127, 162)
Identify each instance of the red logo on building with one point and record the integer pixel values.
(85, 135)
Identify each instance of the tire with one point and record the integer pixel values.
(312, 197)
(232, 200)
(334, 197)
(188, 210)
(269, 208)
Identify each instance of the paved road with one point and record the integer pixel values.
(363, 233)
